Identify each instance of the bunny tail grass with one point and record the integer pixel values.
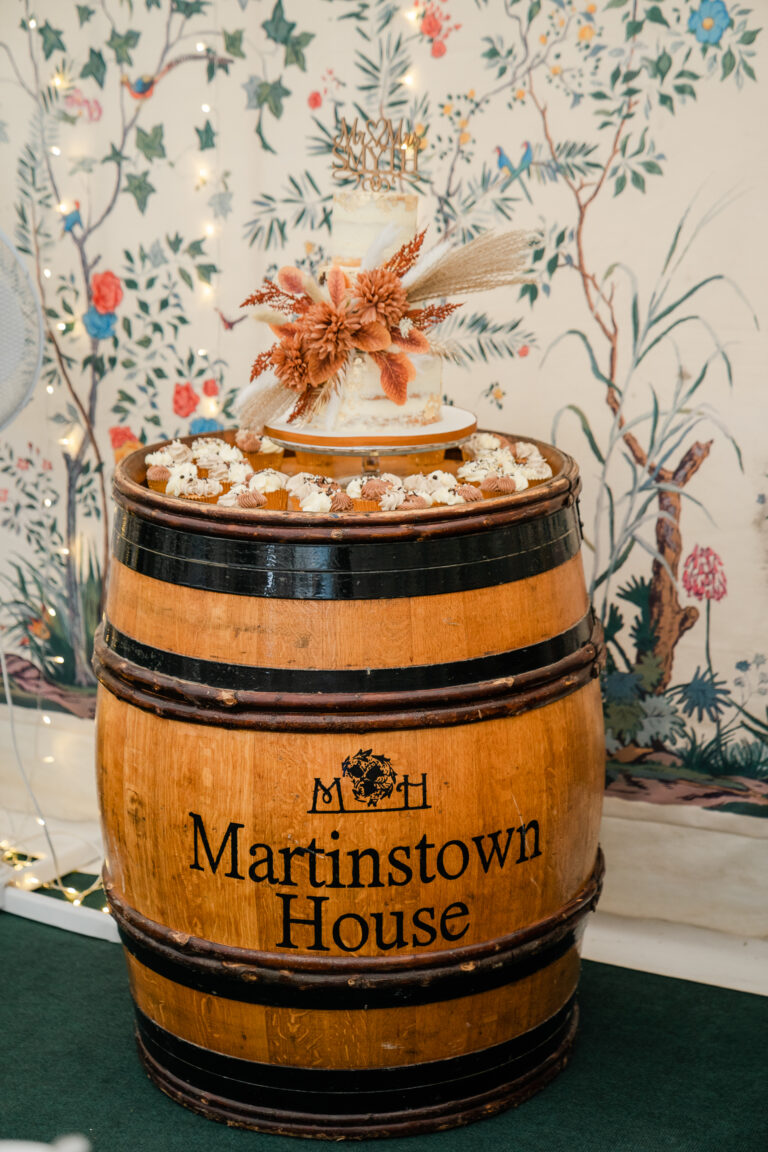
(261, 403)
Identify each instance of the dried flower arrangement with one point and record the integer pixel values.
(379, 312)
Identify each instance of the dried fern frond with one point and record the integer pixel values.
(406, 256)
(488, 261)
(433, 314)
(271, 295)
(261, 363)
(448, 349)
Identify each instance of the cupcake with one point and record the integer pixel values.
(317, 500)
(392, 499)
(446, 494)
(480, 442)
(162, 457)
(211, 468)
(158, 476)
(201, 490)
(180, 475)
(367, 491)
(239, 472)
(415, 500)
(340, 502)
(272, 485)
(260, 451)
(503, 485)
(229, 499)
(469, 493)
(416, 483)
(179, 453)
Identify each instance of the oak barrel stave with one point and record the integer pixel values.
(274, 919)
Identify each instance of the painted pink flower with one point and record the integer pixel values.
(210, 387)
(121, 434)
(185, 400)
(3, 495)
(47, 466)
(106, 292)
(704, 575)
(22, 464)
(438, 48)
(315, 100)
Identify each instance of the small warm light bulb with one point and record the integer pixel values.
(57, 81)
(61, 326)
(77, 902)
(210, 229)
(203, 173)
(51, 611)
(40, 821)
(408, 80)
(49, 389)
(61, 207)
(71, 891)
(58, 659)
(47, 273)
(105, 908)
(411, 15)
(33, 23)
(32, 881)
(48, 760)
(46, 719)
(207, 290)
(200, 47)
(62, 552)
(47, 502)
(55, 150)
(202, 351)
(205, 108)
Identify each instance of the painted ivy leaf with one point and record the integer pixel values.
(189, 8)
(83, 164)
(274, 97)
(205, 272)
(277, 27)
(84, 13)
(115, 156)
(656, 16)
(153, 4)
(233, 43)
(221, 204)
(174, 243)
(121, 45)
(206, 136)
(140, 188)
(195, 248)
(151, 143)
(156, 256)
(95, 67)
(52, 41)
(294, 49)
(729, 63)
(253, 90)
(243, 4)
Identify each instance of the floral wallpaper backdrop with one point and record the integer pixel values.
(162, 156)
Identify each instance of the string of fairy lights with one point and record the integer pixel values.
(15, 851)
(70, 442)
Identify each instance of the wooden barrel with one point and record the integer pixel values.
(350, 771)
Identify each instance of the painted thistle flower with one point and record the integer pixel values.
(704, 575)
(99, 325)
(709, 21)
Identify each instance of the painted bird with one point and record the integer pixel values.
(504, 164)
(230, 324)
(72, 218)
(143, 86)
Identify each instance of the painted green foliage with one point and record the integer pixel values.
(118, 348)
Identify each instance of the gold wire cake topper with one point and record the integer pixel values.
(378, 155)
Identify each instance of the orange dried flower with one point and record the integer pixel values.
(406, 256)
(381, 296)
(291, 363)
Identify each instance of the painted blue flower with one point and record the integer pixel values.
(742, 665)
(709, 21)
(202, 424)
(99, 325)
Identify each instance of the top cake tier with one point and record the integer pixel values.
(361, 219)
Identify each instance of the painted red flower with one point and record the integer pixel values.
(210, 387)
(106, 292)
(523, 350)
(315, 100)
(3, 495)
(119, 435)
(22, 464)
(431, 25)
(185, 400)
(438, 48)
(47, 466)
(704, 575)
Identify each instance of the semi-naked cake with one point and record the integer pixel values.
(368, 229)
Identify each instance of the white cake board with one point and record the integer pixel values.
(454, 425)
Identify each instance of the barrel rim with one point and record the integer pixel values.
(271, 524)
(345, 973)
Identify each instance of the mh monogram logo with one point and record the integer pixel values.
(373, 781)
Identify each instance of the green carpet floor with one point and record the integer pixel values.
(660, 1066)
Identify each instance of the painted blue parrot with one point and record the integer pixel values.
(72, 218)
(504, 164)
